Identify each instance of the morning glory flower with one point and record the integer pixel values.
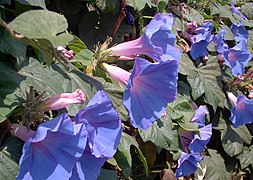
(187, 164)
(200, 40)
(52, 150)
(237, 58)
(102, 124)
(156, 42)
(195, 142)
(239, 31)
(219, 43)
(150, 87)
(242, 112)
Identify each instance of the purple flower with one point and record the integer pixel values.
(200, 116)
(201, 40)
(187, 163)
(102, 124)
(239, 31)
(242, 112)
(53, 150)
(156, 42)
(237, 58)
(195, 142)
(88, 167)
(219, 43)
(235, 10)
(150, 87)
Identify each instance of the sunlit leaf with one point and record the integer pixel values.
(42, 24)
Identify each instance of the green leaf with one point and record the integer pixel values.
(194, 15)
(107, 174)
(8, 168)
(77, 45)
(247, 10)
(205, 79)
(12, 46)
(250, 41)
(115, 93)
(42, 24)
(95, 28)
(58, 80)
(233, 138)
(215, 167)
(84, 57)
(9, 88)
(229, 35)
(123, 155)
(40, 3)
(245, 157)
(138, 4)
(106, 5)
(162, 134)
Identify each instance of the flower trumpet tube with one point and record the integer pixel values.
(62, 100)
(117, 73)
(156, 42)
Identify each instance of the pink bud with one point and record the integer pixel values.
(62, 100)
(232, 98)
(119, 74)
(21, 132)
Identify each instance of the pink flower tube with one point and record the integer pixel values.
(62, 100)
(117, 73)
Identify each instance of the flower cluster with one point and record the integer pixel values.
(61, 149)
(193, 143)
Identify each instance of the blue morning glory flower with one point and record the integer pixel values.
(236, 11)
(237, 58)
(187, 164)
(201, 40)
(219, 43)
(156, 41)
(150, 87)
(242, 112)
(195, 142)
(53, 151)
(102, 125)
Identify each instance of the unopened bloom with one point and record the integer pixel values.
(117, 73)
(188, 163)
(150, 87)
(51, 151)
(62, 100)
(156, 42)
(200, 39)
(237, 58)
(69, 54)
(242, 112)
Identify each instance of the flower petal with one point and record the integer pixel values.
(242, 112)
(103, 125)
(150, 87)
